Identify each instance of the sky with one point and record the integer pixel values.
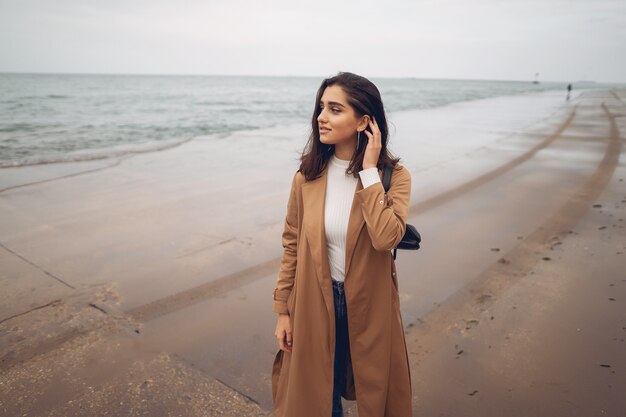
(471, 39)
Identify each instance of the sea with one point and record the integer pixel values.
(60, 118)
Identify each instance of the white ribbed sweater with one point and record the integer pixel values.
(340, 188)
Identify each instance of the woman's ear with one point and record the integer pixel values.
(364, 123)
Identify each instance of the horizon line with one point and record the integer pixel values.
(298, 76)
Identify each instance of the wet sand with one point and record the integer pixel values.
(129, 289)
(542, 330)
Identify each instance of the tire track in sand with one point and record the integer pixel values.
(455, 192)
(450, 316)
(183, 299)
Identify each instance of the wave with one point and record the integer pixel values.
(94, 156)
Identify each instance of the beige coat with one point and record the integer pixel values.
(379, 378)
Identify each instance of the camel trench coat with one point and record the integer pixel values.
(379, 377)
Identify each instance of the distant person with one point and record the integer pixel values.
(337, 291)
(569, 90)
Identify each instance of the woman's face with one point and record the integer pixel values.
(337, 116)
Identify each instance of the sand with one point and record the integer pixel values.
(542, 330)
(142, 285)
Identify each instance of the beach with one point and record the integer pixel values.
(141, 284)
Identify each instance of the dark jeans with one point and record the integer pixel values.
(342, 345)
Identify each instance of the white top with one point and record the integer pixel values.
(340, 188)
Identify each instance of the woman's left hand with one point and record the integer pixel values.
(374, 145)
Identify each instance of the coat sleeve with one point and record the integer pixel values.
(287, 271)
(386, 214)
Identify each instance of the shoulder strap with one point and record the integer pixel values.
(387, 177)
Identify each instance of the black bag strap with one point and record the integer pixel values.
(387, 177)
(411, 232)
(386, 182)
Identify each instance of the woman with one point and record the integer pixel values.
(339, 327)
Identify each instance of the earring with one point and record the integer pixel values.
(358, 139)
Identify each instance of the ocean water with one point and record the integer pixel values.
(51, 118)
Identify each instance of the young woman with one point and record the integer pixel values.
(339, 327)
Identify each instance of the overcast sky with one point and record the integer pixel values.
(483, 39)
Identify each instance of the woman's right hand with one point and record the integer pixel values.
(283, 332)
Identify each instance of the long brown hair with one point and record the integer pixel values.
(364, 98)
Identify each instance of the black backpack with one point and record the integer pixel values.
(412, 238)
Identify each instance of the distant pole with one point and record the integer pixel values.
(536, 81)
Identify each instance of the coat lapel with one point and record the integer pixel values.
(355, 224)
(314, 201)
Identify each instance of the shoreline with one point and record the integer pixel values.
(119, 154)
